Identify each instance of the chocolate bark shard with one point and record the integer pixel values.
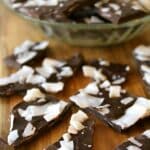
(142, 56)
(140, 142)
(28, 53)
(118, 11)
(82, 140)
(29, 119)
(112, 105)
(102, 70)
(49, 77)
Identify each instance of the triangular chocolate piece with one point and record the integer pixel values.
(37, 113)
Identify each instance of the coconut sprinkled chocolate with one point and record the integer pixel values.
(112, 104)
(30, 118)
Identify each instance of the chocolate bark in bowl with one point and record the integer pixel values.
(88, 21)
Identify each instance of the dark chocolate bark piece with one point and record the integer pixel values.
(82, 139)
(36, 114)
(112, 104)
(117, 11)
(87, 15)
(58, 10)
(140, 142)
(28, 53)
(104, 70)
(142, 56)
(50, 76)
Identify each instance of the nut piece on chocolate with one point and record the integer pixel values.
(36, 114)
(112, 104)
(79, 135)
(142, 56)
(140, 142)
(101, 70)
(50, 76)
(28, 53)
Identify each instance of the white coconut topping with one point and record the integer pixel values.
(145, 68)
(11, 121)
(41, 45)
(46, 71)
(139, 110)
(53, 63)
(146, 77)
(105, 84)
(20, 76)
(53, 87)
(142, 53)
(66, 72)
(119, 81)
(84, 100)
(25, 57)
(66, 137)
(31, 3)
(114, 91)
(29, 130)
(92, 72)
(53, 111)
(147, 134)
(91, 88)
(132, 147)
(33, 94)
(104, 110)
(66, 145)
(49, 111)
(13, 136)
(134, 141)
(76, 122)
(25, 46)
(127, 100)
(104, 62)
(35, 79)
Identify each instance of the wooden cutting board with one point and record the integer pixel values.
(14, 30)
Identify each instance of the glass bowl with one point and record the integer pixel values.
(85, 35)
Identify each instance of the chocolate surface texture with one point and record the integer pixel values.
(36, 114)
(79, 135)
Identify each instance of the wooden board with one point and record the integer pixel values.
(14, 30)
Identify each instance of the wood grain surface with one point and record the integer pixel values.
(14, 30)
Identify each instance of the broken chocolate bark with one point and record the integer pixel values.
(36, 114)
(114, 11)
(58, 10)
(112, 104)
(28, 53)
(101, 70)
(142, 56)
(118, 11)
(50, 76)
(79, 135)
(140, 142)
